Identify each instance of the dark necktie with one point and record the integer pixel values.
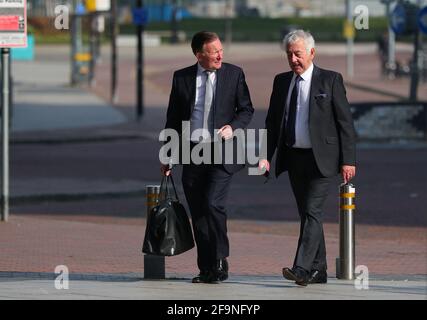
(292, 115)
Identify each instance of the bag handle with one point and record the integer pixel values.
(165, 185)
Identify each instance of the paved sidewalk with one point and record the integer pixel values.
(103, 256)
(48, 103)
(132, 287)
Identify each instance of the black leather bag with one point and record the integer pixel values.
(168, 230)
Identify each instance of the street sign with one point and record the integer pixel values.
(422, 20)
(398, 19)
(13, 23)
(140, 16)
(80, 9)
(403, 19)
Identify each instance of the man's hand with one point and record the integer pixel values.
(226, 132)
(165, 169)
(348, 172)
(264, 166)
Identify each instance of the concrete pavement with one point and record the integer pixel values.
(44, 101)
(133, 287)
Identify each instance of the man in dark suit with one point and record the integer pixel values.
(209, 94)
(310, 125)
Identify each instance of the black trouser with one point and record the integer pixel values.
(311, 190)
(206, 188)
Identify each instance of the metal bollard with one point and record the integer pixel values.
(154, 266)
(346, 261)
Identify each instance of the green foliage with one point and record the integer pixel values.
(245, 29)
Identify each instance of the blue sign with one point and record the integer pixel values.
(398, 19)
(80, 9)
(422, 20)
(140, 16)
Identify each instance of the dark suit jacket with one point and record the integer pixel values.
(331, 126)
(232, 103)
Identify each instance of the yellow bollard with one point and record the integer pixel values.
(346, 262)
(154, 266)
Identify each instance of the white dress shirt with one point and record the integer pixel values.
(199, 104)
(302, 131)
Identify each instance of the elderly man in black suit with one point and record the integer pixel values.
(310, 125)
(213, 98)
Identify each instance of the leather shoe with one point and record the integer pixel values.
(317, 276)
(298, 275)
(203, 277)
(220, 272)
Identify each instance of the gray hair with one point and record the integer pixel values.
(296, 35)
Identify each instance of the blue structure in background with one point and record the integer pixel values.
(140, 16)
(24, 53)
(158, 13)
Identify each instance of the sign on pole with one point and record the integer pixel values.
(140, 16)
(398, 19)
(13, 23)
(422, 20)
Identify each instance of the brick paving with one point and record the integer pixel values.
(109, 245)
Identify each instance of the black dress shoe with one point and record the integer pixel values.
(203, 277)
(298, 275)
(317, 276)
(220, 272)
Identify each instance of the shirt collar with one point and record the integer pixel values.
(307, 73)
(200, 69)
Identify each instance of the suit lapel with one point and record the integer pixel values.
(283, 94)
(220, 79)
(190, 82)
(219, 91)
(315, 84)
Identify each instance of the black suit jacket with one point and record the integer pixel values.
(232, 103)
(332, 132)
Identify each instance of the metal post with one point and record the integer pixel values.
(174, 22)
(350, 41)
(75, 21)
(92, 49)
(140, 67)
(415, 71)
(391, 41)
(154, 266)
(346, 260)
(114, 32)
(391, 47)
(5, 52)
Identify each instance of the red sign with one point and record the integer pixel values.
(13, 23)
(9, 23)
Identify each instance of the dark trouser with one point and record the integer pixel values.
(311, 190)
(206, 189)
